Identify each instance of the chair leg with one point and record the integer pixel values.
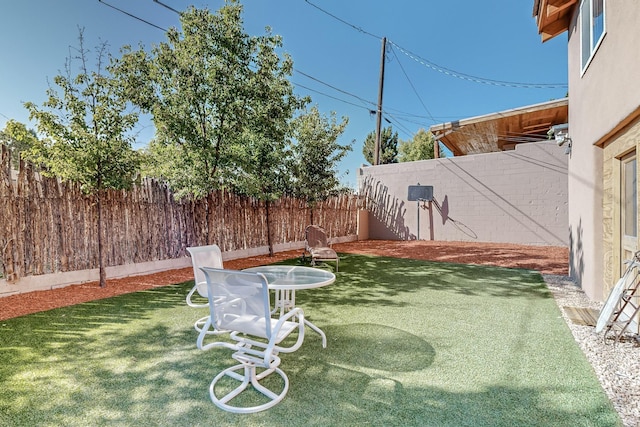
(249, 376)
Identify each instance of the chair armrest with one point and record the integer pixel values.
(190, 303)
(295, 312)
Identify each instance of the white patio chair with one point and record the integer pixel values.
(317, 245)
(203, 256)
(245, 311)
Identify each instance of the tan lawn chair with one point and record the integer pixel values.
(317, 245)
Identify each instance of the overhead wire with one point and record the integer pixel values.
(412, 85)
(334, 87)
(166, 6)
(397, 124)
(132, 15)
(414, 122)
(355, 27)
(438, 119)
(441, 69)
(330, 96)
(475, 79)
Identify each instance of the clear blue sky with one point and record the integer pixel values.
(336, 54)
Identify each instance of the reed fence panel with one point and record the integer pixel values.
(49, 226)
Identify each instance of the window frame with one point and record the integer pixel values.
(628, 196)
(585, 16)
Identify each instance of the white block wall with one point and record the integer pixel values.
(517, 196)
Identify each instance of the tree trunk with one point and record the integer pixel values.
(103, 273)
(267, 203)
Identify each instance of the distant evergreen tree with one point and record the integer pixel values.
(388, 147)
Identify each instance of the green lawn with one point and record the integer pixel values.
(409, 343)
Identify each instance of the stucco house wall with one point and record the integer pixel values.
(517, 196)
(602, 99)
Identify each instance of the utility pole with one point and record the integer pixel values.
(376, 154)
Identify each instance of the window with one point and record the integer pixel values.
(628, 209)
(591, 28)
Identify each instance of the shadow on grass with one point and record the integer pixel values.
(372, 280)
(379, 347)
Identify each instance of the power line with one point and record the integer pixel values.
(415, 122)
(334, 87)
(476, 79)
(166, 6)
(355, 27)
(398, 125)
(397, 112)
(412, 86)
(132, 16)
(332, 97)
(445, 70)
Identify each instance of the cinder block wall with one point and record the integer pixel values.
(517, 196)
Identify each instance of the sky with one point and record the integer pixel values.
(445, 60)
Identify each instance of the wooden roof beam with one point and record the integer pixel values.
(556, 6)
(555, 28)
(537, 128)
(553, 16)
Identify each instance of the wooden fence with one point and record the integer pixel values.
(48, 226)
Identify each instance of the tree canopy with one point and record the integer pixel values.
(86, 127)
(420, 147)
(217, 96)
(388, 146)
(316, 154)
(18, 139)
(86, 131)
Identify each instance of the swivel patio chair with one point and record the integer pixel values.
(317, 245)
(245, 311)
(203, 256)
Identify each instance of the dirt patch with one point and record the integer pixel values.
(545, 259)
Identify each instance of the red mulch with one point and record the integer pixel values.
(545, 259)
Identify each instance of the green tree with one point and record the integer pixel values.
(263, 154)
(17, 138)
(198, 88)
(420, 147)
(88, 132)
(388, 147)
(317, 154)
(221, 101)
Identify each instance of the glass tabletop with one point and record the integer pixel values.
(294, 277)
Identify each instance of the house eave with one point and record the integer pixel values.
(553, 17)
(502, 130)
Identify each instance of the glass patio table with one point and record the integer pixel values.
(285, 280)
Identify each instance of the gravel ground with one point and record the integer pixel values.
(617, 365)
